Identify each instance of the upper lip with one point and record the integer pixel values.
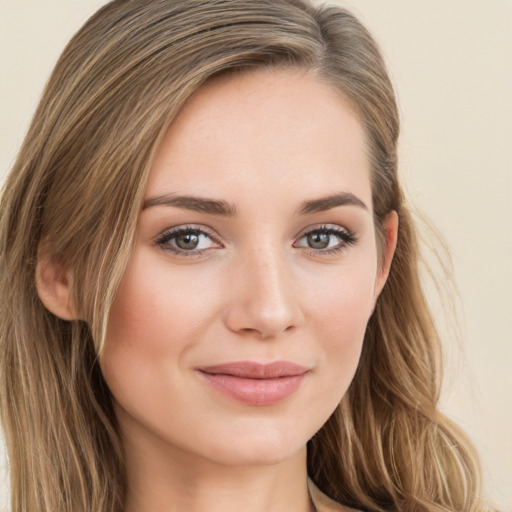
(254, 370)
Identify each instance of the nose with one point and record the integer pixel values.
(263, 303)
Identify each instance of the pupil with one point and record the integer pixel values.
(188, 241)
(318, 240)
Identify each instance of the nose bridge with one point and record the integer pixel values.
(264, 302)
(272, 277)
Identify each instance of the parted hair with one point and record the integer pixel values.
(76, 190)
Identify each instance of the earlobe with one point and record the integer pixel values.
(53, 282)
(391, 234)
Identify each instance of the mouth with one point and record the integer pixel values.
(255, 383)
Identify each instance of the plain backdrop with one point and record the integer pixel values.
(451, 62)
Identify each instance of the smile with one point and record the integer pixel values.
(254, 383)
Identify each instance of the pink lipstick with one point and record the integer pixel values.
(255, 383)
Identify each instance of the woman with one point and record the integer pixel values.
(209, 291)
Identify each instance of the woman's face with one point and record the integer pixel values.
(255, 247)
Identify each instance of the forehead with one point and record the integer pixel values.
(261, 131)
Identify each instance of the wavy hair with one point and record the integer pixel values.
(76, 189)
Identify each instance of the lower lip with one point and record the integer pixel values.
(255, 391)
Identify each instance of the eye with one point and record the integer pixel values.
(186, 240)
(326, 239)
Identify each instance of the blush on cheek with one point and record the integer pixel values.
(344, 346)
(346, 318)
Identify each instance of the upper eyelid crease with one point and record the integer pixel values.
(178, 230)
(337, 231)
(221, 207)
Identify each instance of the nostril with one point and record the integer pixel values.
(249, 330)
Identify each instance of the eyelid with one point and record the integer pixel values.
(324, 227)
(347, 238)
(168, 234)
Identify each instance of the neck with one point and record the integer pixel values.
(163, 478)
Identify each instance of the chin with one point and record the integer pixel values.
(257, 448)
(261, 456)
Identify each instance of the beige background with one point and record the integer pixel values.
(451, 61)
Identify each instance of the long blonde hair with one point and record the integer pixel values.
(77, 189)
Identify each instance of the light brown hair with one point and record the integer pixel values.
(76, 190)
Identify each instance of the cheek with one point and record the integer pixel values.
(157, 318)
(153, 305)
(343, 299)
(340, 311)
(346, 318)
(348, 309)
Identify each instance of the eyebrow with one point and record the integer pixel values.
(196, 204)
(326, 203)
(223, 208)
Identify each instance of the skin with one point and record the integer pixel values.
(265, 142)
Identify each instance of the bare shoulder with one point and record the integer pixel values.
(323, 503)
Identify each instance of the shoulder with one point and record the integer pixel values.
(323, 503)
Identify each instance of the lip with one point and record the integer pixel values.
(255, 383)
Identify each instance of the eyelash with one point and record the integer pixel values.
(346, 239)
(164, 239)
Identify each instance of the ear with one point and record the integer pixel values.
(391, 236)
(53, 282)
